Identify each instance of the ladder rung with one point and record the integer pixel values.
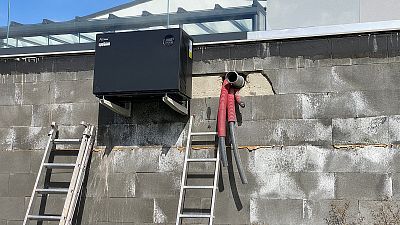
(192, 215)
(203, 133)
(52, 191)
(198, 187)
(202, 160)
(59, 165)
(67, 141)
(44, 218)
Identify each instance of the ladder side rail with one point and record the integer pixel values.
(72, 185)
(81, 176)
(49, 146)
(184, 173)
(214, 192)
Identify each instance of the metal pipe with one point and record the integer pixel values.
(236, 153)
(236, 80)
(8, 21)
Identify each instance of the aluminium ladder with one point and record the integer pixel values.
(78, 173)
(184, 187)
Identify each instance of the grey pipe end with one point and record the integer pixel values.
(235, 79)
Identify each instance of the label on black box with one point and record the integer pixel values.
(190, 49)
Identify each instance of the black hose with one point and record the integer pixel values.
(222, 151)
(236, 153)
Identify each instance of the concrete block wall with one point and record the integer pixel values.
(319, 147)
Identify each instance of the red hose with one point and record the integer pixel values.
(231, 105)
(221, 117)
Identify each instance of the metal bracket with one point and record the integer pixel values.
(116, 108)
(178, 107)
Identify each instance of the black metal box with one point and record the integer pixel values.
(143, 63)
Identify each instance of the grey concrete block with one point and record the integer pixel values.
(73, 113)
(297, 132)
(371, 130)
(307, 186)
(267, 63)
(94, 210)
(331, 212)
(136, 210)
(33, 93)
(155, 185)
(65, 76)
(7, 95)
(394, 125)
(30, 137)
(378, 159)
(16, 115)
(171, 160)
(4, 181)
(12, 208)
(7, 137)
(21, 184)
(358, 77)
(70, 131)
(396, 186)
(136, 160)
(15, 161)
(35, 160)
(379, 212)
(346, 160)
(328, 105)
(165, 210)
(204, 126)
(276, 107)
(226, 212)
(284, 132)
(41, 115)
(273, 212)
(99, 175)
(117, 135)
(210, 67)
(73, 92)
(376, 103)
(25, 78)
(365, 186)
(85, 75)
(268, 133)
(122, 185)
(165, 134)
(205, 108)
(45, 76)
(302, 80)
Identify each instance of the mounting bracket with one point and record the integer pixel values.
(178, 107)
(116, 108)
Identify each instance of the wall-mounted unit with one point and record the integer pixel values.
(143, 64)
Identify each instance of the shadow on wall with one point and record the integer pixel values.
(152, 123)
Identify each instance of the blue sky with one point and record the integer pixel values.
(33, 11)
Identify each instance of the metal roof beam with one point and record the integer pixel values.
(29, 41)
(202, 26)
(58, 40)
(233, 22)
(85, 37)
(78, 26)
